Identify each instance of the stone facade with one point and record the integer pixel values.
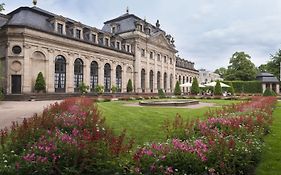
(68, 53)
(208, 76)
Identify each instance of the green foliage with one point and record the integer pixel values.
(263, 68)
(218, 90)
(195, 87)
(129, 86)
(241, 68)
(231, 89)
(2, 7)
(269, 92)
(246, 86)
(161, 93)
(177, 90)
(114, 89)
(40, 84)
(99, 89)
(221, 71)
(83, 88)
(273, 66)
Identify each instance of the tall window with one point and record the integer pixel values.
(171, 82)
(143, 80)
(128, 48)
(106, 42)
(151, 80)
(94, 75)
(118, 45)
(78, 33)
(183, 81)
(158, 57)
(113, 29)
(60, 72)
(119, 78)
(165, 82)
(158, 80)
(60, 28)
(179, 79)
(143, 52)
(151, 55)
(165, 59)
(78, 74)
(107, 77)
(171, 61)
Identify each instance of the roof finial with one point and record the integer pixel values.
(157, 24)
(127, 10)
(34, 2)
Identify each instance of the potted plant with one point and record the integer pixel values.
(40, 84)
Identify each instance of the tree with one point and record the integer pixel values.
(241, 68)
(2, 7)
(262, 68)
(129, 86)
(177, 90)
(231, 89)
(218, 90)
(161, 93)
(40, 84)
(221, 71)
(273, 66)
(195, 87)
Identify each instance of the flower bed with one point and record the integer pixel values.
(69, 138)
(229, 141)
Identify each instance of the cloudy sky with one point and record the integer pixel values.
(206, 32)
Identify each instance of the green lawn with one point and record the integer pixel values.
(144, 123)
(271, 158)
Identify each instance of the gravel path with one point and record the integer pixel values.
(17, 111)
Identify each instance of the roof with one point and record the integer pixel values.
(267, 78)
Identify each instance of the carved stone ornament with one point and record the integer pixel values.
(16, 66)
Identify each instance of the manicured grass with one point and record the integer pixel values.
(271, 157)
(144, 123)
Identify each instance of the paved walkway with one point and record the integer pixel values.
(17, 111)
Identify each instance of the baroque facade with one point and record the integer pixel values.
(68, 53)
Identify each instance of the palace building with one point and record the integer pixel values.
(68, 53)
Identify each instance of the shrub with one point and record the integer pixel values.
(218, 90)
(40, 84)
(114, 89)
(69, 138)
(195, 87)
(129, 86)
(231, 89)
(161, 93)
(99, 89)
(83, 88)
(246, 86)
(177, 90)
(269, 92)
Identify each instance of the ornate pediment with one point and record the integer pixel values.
(160, 40)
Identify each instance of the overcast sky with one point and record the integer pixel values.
(206, 32)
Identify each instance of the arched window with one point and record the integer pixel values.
(60, 72)
(78, 74)
(158, 80)
(107, 77)
(143, 80)
(171, 82)
(183, 81)
(94, 75)
(119, 78)
(179, 79)
(165, 82)
(151, 80)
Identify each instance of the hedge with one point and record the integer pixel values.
(246, 86)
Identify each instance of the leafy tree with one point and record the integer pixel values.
(273, 66)
(40, 84)
(231, 89)
(129, 86)
(161, 93)
(177, 90)
(195, 87)
(221, 71)
(241, 67)
(2, 7)
(218, 90)
(262, 68)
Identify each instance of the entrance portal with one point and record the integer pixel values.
(16, 84)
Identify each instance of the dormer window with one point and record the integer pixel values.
(128, 49)
(106, 42)
(94, 38)
(171, 61)
(113, 30)
(165, 59)
(147, 31)
(118, 45)
(140, 27)
(78, 33)
(60, 28)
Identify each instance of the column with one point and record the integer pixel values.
(70, 74)
(101, 74)
(277, 88)
(125, 79)
(26, 77)
(263, 87)
(137, 70)
(86, 72)
(113, 75)
(50, 79)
